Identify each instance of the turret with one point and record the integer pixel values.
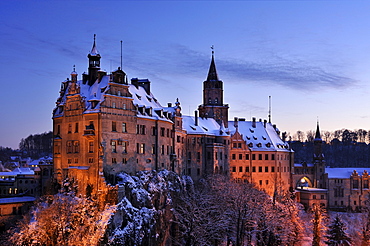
(94, 63)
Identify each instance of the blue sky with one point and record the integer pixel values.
(312, 57)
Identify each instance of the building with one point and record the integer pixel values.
(260, 156)
(103, 124)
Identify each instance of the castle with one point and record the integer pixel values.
(104, 124)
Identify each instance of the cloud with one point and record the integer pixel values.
(296, 75)
(292, 73)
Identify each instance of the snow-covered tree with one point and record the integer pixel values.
(336, 233)
(63, 219)
(318, 223)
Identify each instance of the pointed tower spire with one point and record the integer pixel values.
(212, 73)
(94, 51)
(213, 97)
(318, 135)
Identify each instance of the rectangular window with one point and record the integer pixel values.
(314, 197)
(76, 160)
(216, 156)
(69, 128)
(69, 161)
(234, 145)
(91, 160)
(266, 157)
(114, 160)
(76, 146)
(272, 169)
(273, 157)
(91, 147)
(253, 156)
(76, 127)
(366, 184)
(322, 196)
(124, 147)
(247, 156)
(254, 169)
(260, 157)
(233, 156)
(240, 156)
(69, 147)
(162, 149)
(355, 184)
(142, 148)
(114, 126)
(239, 145)
(247, 169)
(162, 131)
(198, 156)
(124, 127)
(240, 169)
(153, 149)
(198, 171)
(234, 169)
(260, 169)
(260, 182)
(267, 182)
(266, 169)
(124, 161)
(114, 146)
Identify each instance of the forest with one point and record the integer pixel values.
(162, 208)
(341, 148)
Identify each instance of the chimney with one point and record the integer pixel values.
(254, 122)
(196, 117)
(260, 120)
(264, 123)
(235, 122)
(169, 105)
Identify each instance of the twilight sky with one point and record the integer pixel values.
(312, 57)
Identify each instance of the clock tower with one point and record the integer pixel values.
(213, 101)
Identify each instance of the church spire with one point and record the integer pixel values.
(212, 73)
(318, 135)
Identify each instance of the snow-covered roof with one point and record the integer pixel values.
(344, 172)
(18, 171)
(206, 126)
(148, 106)
(258, 137)
(8, 200)
(301, 165)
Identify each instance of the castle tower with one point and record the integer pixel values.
(318, 160)
(213, 106)
(94, 63)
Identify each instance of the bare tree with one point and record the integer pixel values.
(310, 135)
